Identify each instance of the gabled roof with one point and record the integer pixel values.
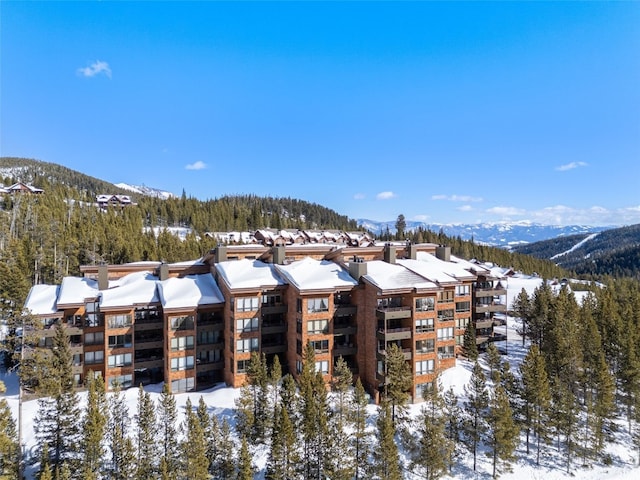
(106, 198)
(23, 187)
(440, 267)
(249, 274)
(310, 274)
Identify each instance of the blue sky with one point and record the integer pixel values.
(445, 112)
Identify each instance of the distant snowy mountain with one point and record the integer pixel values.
(144, 190)
(499, 234)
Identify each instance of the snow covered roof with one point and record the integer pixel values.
(42, 299)
(388, 276)
(246, 273)
(189, 292)
(473, 267)
(23, 187)
(74, 290)
(104, 198)
(310, 274)
(138, 288)
(441, 269)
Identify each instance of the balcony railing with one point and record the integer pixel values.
(400, 333)
(391, 313)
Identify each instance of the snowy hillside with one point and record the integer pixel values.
(144, 190)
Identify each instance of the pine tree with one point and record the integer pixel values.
(469, 343)
(194, 447)
(56, 422)
(246, 469)
(386, 459)
(434, 449)
(494, 361)
(94, 428)
(522, 309)
(224, 469)
(360, 438)
(209, 431)
(475, 410)
(536, 397)
(453, 424)
(564, 417)
(10, 453)
(45, 467)
(252, 405)
(283, 456)
(167, 431)
(342, 464)
(146, 422)
(121, 447)
(399, 380)
(503, 433)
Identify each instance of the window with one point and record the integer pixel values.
(209, 356)
(246, 304)
(462, 322)
(322, 366)
(422, 388)
(298, 366)
(299, 305)
(182, 363)
(92, 310)
(425, 346)
(342, 298)
(247, 345)
(93, 357)
(119, 321)
(208, 337)
(445, 297)
(243, 365)
(462, 290)
(446, 352)
(183, 385)
(247, 324)
(392, 302)
(463, 306)
(76, 359)
(96, 338)
(317, 326)
(459, 339)
(272, 299)
(445, 333)
(426, 304)
(315, 305)
(120, 341)
(424, 325)
(424, 367)
(445, 315)
(121, 360)
(182, 323)
(182, 343)
(380, 367)
(124, 381)
(320, 346)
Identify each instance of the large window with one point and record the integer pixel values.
(272, 299)
(445, 315)
(246, 304)
(92, 310)
(182, 363)
(317, 326)
(121, 360)
(424, 325)
(243, 365)
(123, 381)
(446, 352)
(462, 322)
(182, 343)
(247, 324)
(120, 341)
(95, 338)
(94, 357)
(182, 323)
(424, 367)
(315, 305)
(463, 307)
(445, 333)
(119, 321)
(445, 297)
(209, 356)
(205, 338)
(322, 366)
(462, 290)
(425, 346)
(425, 304)
(183, 385)
(247, 345)
(320, 346)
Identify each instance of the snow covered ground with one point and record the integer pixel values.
(221, 401)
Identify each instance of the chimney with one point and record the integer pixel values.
(163, 271)
(278, 254)
(443, 253)
(357, 268)
(221, 254)
(412, 251)
(389, 253)
(103, 277)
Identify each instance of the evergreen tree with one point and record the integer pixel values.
(252, 405)
(434, 449)
(10, 454)
(225, 467)
(469, 342)
(94, 428)
(493, 361)
(209, 431)
(502, 438)
(45, 467)
(146, 423)
(360, 439)
(120, 444)
(245, 465)
(522, 308)
(194, 447)
(386, 459)
(453, 422)
(536, 397)
(475, 410)
(275, 375)
(56, 422)
(283, 456)
(401, 226)
(341, 457)
(167, 432)
(399, 381)
(564, 417)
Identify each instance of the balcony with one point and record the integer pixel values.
(488, 323)
(390, 334)
(490, 307)
(344, 329)
(268, 328)
(344, 350)
(273, 348)
(149, 363)
(393, 313)
(274, 309)
(408, 354)
(489, 291)
(345, 309)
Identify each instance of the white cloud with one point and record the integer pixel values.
(457, 198)
(506, 211)
(386, 195)
(571, 166)
(96, 68)
(421, 218)
(199, 165)
(465, 208)
(359, 196)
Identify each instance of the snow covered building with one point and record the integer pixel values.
(195, 324)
